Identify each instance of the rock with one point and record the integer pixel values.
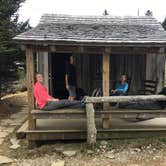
(3, 134)
(1, 141)
(90, 152)
(16, 146)
(59, 149)
(58, 163)
(137, 150)
(5, 160)
(15, 143)
(69, 153)
(110, 155)
(103, 143)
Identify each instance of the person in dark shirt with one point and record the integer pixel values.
(70, 78)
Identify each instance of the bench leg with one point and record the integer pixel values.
(106, 123)
(32, 124)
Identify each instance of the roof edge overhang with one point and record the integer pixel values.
(153, 43)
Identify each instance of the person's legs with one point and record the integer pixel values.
(72, 93)
(63, 104)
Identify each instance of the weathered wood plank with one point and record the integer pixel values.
(121, 99)
(116, 113)
(102, 134)
(106, 85)
(30, 83)
(91, 127)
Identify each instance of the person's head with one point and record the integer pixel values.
(39, 77)
(123, 78)
(72, 60)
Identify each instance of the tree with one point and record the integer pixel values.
(105, 13)
(164, 23)
(10, 51)
(149, 13)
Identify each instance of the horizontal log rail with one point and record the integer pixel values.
(122, 99)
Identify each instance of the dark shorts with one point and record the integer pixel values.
(72, 91)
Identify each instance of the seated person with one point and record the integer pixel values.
(121, 87)
(47, 102)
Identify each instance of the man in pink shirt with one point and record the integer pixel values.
(47, 102)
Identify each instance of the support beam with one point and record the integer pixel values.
(106, 86)
(30, 83)
(91, 127)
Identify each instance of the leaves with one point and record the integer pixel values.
(164, 23)
(10, 51)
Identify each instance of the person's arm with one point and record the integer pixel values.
(124, 89)
(67, 77)
(67, 82)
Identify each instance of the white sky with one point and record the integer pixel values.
(33, 9)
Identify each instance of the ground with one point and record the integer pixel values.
(124, 152)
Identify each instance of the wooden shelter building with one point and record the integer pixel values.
(104, 46)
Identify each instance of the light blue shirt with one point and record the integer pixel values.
(122, 88)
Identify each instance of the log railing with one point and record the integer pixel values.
(90, 112)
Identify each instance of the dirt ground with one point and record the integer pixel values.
(123, 152)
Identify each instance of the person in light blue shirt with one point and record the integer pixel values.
(121, 87)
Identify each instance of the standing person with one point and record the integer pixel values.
(70, 79)
(47, 102)
(121, 87)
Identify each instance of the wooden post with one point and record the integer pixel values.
(160, 65)
(91, 127)
(30, 83)
(106, 86)
(148, 66)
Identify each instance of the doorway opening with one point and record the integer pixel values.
(57, 72)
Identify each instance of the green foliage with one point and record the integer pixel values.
(21, 74)
(164, 24)
(10, 50)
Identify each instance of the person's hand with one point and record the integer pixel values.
(67, 87)
(113, 91)
(55, 99)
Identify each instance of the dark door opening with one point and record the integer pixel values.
(57, 71)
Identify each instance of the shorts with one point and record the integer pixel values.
(72, 91)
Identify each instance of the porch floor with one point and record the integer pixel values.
(75, 129)
(80, 124)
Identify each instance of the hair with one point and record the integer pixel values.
(37, 74)
(121, 76)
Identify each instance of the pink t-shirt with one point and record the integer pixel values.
(41, 94)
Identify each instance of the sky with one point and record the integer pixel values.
(33, 9)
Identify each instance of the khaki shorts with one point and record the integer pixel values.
(72, 91)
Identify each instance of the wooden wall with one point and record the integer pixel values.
(136, 66)
(155, 68)
(132, 65)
